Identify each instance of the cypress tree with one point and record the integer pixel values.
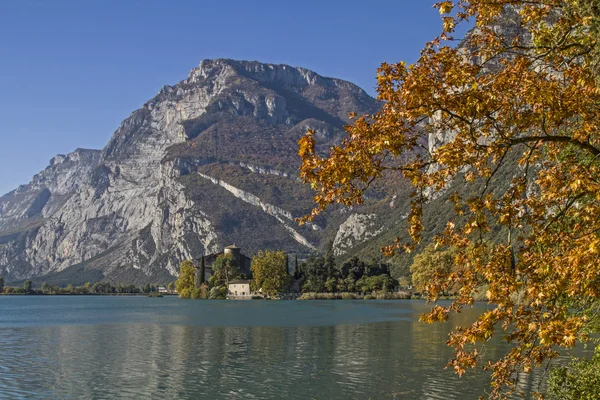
(202, 270)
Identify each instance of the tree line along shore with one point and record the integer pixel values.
(98, 288)
(316, 278)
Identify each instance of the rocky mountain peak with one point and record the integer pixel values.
(207, 162)
(78, 155)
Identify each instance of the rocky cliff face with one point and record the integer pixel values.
(207, 162)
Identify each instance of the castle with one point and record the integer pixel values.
(204, 264)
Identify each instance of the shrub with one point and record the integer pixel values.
(579, 381)
(385, 295)
(218, 292)
(329, 296)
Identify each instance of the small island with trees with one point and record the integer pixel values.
(270, 276)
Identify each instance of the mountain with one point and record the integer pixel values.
(207, 162)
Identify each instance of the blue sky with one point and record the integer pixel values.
(71, 71)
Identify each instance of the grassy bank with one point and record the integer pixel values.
(356, 296)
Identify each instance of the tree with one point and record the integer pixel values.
(330, 268)
(225, 268)
(202, 272)
(520, 120)
(269, 269)
(331, 285)
(354, 267)
(431, 265)
(312, 275)
(171, 287)
(580, 380)
(44, 287)
(27, 286)
(102, 288)
(1, 284)
(185, 282)
(296, 267)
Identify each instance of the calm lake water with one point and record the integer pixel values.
(137, 347)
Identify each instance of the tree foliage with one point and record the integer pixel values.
(578, 381)
(269, 269)
(225, 268)
(432, 265)
(532, 99)
(322, 274)
(185, 283)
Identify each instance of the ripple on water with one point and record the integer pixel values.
(145, 348)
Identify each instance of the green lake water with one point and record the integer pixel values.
(90, 347)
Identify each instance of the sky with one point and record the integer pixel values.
(71, 71)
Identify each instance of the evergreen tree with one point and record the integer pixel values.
(329, 266)
(202, 271)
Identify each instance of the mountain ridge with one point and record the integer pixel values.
(167, 185)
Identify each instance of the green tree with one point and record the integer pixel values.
(269, 269)
(330, 268)
(70, 288)
(27, 286)
(296, 267)
(225, 268)
(1, 284)
(353, 267)
(331, 285)
(202, 272)
(102, 288)
(44, 288)
(580, 380)
(185, 282)
(218, 292)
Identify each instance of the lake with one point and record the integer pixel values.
(91, 347)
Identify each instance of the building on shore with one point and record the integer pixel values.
(239, 289)
(204, 264)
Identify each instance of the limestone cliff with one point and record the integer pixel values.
(206, 162)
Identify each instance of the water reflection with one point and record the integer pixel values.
(395, 359)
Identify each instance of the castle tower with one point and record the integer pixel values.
(236, 253)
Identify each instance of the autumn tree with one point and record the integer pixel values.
(185, 282)
(430, 265)
(269, 270)
(518, 109)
